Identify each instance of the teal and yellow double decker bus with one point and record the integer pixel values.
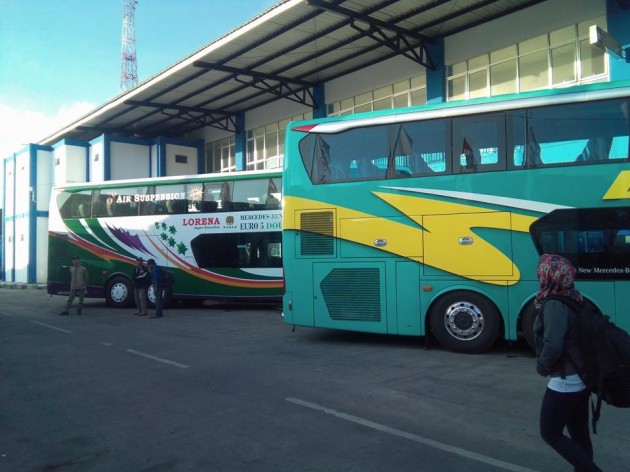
(430, 220)
(219, 234)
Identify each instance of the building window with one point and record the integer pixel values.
(265, 145)
(560, 58)
(220, 155)
(181, 159)
(401, 94)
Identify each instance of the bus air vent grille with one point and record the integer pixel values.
(353, 294)
(317, 234)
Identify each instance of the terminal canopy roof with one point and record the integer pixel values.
(282, 53)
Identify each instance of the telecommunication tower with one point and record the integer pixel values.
(129, 68)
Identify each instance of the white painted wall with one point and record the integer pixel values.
(21, 215)
(45, 179)
(9, 249)
(70, 163)
(45, 162)
(154, 162)
(275, 111)
(22, 190)
(373, 77)
(41, 268)
(9, 213)
(97, 160)
(177, 168)
(21, 243)
(9, 189)
(129, 160)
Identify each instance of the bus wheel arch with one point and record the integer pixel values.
(528, 315)
(119, 292)
(465, 321)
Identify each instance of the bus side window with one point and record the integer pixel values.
(368, 170)
(177, 207)
(337, 173)
(209, 206)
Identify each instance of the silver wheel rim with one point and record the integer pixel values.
(463, 320)
(118, 292)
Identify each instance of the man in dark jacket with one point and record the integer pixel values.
(156, 280)
(141, 281)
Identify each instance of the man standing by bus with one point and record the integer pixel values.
(141, 281)
(78, 285)
(156, 280)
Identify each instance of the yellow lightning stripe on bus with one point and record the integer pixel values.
(620, 188)
(444, 224)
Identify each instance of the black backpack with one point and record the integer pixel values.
(606, 354)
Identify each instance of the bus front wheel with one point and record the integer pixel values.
(465, 322)
(119, 292)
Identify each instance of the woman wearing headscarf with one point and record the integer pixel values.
(565, 403)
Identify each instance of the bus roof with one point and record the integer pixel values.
(174, 179)
(537, 98)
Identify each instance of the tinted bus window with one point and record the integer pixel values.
(595, 240)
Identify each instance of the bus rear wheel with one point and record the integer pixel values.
(119, 292)
(465, 322)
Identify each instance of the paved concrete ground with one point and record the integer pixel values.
(231, 388)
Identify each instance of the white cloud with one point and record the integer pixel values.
(19, 127)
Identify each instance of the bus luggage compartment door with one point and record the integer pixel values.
(350, 296)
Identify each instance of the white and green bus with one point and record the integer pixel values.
(219, 234)
(430, 220)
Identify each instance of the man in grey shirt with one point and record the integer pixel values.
(78, 285)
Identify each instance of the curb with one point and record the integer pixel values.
(22, 286)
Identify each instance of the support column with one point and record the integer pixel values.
(319, 98)
(240, 142)
(618, 19)
(436, 79)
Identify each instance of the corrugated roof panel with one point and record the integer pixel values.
(295, 41)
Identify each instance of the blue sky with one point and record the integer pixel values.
(61, 59)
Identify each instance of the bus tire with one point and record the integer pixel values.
(119, 292)
(167, 296)
(527, 324)
(465, 322)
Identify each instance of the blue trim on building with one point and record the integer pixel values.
(160, 164)
(436, 79)
(107, 158)
(240, 142)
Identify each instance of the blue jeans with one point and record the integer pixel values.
(560, 409)
(157, 288)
